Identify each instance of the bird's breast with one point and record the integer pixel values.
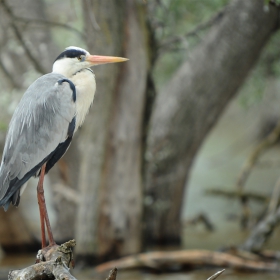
(85, 88)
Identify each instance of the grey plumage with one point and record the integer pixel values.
(39, 124)
(43, 124)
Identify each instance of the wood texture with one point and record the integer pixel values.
(191, 103)
(164, 261)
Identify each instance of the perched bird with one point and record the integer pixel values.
(44, 123)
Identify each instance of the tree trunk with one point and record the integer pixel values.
(191, 103)
(119, 226)
(109, 217)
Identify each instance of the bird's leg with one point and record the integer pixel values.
(43, 211)
(40, 197)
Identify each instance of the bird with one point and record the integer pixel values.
(43, 125)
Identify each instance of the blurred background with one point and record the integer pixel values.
(181, 146)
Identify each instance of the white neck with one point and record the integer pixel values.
(84, 81)
(85, 87)
(65, 67)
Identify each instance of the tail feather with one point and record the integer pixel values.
(6, 206)
(13, 191)
(6, 201)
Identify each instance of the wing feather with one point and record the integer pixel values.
(39, 124)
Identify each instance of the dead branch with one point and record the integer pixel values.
(166, 260)
(67, 193)
(203, 219)
(216, 275)
(274, 200)
(112, 274)
(50, 23)
(92, 18)
(18, 35)
(267, 142)
(262, 232)
(53, 262)
(233, 194)
(255, 154)
(9, 76)
(170, 42)
(268, 163)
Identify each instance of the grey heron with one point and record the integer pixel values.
(44, 123)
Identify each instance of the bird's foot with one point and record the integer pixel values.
(63, 252)
(45, 253)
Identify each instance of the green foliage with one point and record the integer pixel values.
(176, 18)
(172, 20)
(253, 90)
(277, 2)
(268, 67)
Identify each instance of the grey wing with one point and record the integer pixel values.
(39, 125)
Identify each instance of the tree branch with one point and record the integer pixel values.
(255, 154)
(166, 260)
(51, 23)
(263, 230)
(190, 104)
(67, 193)
(10, 77)
(18, 35)
(51, 262)
(169, 43)
(216, 275)
(248, 167)
(233, 194)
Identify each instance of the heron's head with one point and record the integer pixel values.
(74, 59)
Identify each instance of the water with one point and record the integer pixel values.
(202, 274)
(21, 261)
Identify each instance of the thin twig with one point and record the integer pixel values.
(92, 16)
(216, 275)
(254, 156)
(112, 274)
(233, 194)
(268, 164)
(261, 232)
(252, 160)
(50, 23)
(18, 35)
(9, 76)
(165, 45)
(201, 218)
(272, 207)
(67, 193)
(264, 229)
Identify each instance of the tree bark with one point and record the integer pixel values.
(109, 217)
(166, 261)
(191, 103)
(119, 228)
(93, 134)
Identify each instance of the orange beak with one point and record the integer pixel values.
(98, 59)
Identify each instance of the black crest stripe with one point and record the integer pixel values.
(71, 53)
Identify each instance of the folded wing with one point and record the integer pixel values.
(40, 132)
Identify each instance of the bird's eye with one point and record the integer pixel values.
(80, 57)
